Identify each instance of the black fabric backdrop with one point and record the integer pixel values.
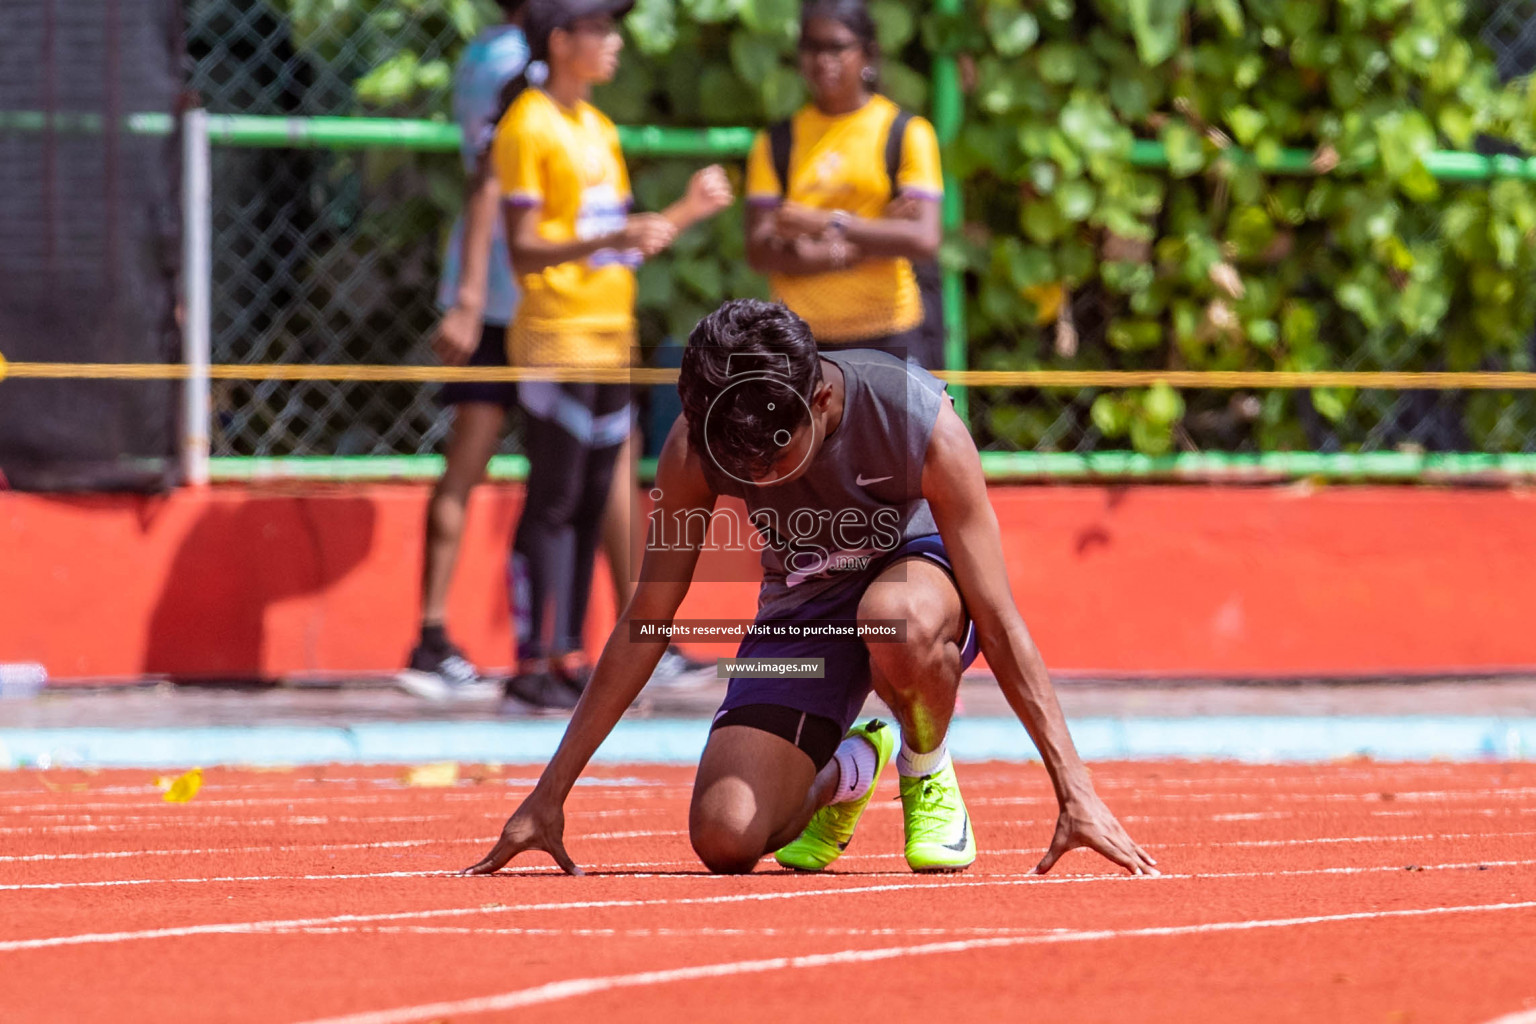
(90, 226)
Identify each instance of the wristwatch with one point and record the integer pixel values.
(837, 222)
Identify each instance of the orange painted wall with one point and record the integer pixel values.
(238, 581)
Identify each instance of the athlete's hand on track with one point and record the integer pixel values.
(457, 336)
(1088, 823)
(648, 232)
(533, 826)
(709, 191)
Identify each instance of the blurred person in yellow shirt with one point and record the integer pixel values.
(843, 211)
(574, 246)
(477, 297)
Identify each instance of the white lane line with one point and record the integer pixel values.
(650, 933)
(222, 878)
(1518, 1017)
(255, 927)
(1384, 795)
(1417, 812)
(152, 802)
(42, 790)
(661, 833)
(653, 865)
(575, 987)
(497, 788)
(284, 848)
(196, 822)
(187, 814)
(493, 788)
(289, 847)
(535, 868)
(1275, 777)
(326, 847)
(1155, 846)
(1323, 840)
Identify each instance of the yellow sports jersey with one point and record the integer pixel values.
(838, 163)
(567, 163)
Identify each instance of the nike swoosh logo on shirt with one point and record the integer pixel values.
(872, 480)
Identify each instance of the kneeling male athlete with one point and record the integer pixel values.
(868, 497)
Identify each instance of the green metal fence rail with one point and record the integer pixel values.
(948, 113)
(1000, 467)
(350, 133)
(242, 137)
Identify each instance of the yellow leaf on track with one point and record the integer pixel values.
(184, 787)
(1047, 299)
(63, 787)
(428, 776)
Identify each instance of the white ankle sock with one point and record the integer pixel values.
(914, 765)
(856, 769)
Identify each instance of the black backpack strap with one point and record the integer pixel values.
(895, 139)
(928, 347)
(780, 138)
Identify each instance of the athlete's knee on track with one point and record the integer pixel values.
(727, 847)
(725, 830)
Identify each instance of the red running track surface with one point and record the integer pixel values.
(1348, 891)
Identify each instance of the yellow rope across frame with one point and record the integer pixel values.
(1388, 380)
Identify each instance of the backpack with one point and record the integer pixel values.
(929, 347)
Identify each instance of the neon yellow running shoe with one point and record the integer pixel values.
(939, 836)
(827, 834)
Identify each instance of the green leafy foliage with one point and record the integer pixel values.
(1212, 264)
(1209, 263)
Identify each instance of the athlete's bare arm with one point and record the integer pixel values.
(625, 666)
(531, 252)
(957, 494)
(458, 332)
(768, 253)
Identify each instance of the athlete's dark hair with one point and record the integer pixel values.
(747, 378)
(514, 87)
(510, 7)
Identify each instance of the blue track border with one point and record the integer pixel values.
(1256, 739)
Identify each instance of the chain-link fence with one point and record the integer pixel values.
(332, 257)
(1509, 30)
(323, 256)
(1247, 422)
(1058, 420)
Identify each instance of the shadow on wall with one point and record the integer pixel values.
(238, 559)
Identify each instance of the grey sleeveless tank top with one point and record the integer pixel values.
(860, 498)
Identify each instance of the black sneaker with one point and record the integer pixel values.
(442, 675)
(542, 690)
(578, 677)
